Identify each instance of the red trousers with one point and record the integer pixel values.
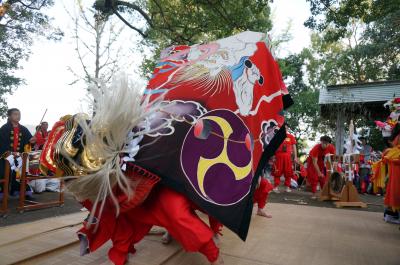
(215, 225)
(261, 193)
(313, 179)
(165, 208)
(392, 197)
(282, 166)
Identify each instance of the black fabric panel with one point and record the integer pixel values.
(267, 154)
(287, 101)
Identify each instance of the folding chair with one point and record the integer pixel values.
(24, 179)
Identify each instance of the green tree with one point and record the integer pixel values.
(304, 117)
(381, 43)
(162, 23)
(361, 36)
(355, 41)
(21, 23)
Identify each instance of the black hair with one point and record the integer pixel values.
(326, 139)
(10, 111)
(395, 132)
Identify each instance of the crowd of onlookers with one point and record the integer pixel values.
(376, 173)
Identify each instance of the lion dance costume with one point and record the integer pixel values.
(196, 138)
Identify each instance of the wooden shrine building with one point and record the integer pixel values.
(344, 102)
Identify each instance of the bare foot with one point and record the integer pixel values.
(262, 213)
(219, 261)
(166, 238)
(156, 230)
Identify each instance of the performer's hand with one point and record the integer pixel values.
(320, 175)
(32, 140)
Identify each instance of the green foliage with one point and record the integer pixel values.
(336, 16)
(355, 41)
(186, 22)
(193, 21)
(18, 28)
(292, 68)
(304, 117)
(358, 40)
(381, 43)
(335, 63)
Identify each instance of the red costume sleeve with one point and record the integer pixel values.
(315, 151)
(40, 140)
(330, 149)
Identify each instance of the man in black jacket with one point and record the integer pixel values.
(13, 138)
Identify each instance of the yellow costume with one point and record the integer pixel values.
(378, 175)
(392, 157)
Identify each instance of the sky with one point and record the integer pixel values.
(47, 78)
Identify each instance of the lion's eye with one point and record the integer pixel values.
(248, 63)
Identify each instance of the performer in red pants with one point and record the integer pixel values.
(283, 162)
(164, 207)
(214, 224)
(315, 163)
(261, 196)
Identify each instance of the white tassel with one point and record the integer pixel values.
(118, 109)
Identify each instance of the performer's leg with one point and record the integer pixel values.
(126, 234)
(278, 170)
(277, 181)
(322, 182)
(215, 225)
(122, 239)
(313, 183)
(289, 174)
(312, 179)
(211, 251)
(173, 211)
(261, 196)
(97, 231)
(166, 238)
(363, 182)
(182, 222)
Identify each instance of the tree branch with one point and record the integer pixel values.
(30, 6)
(226, 14)
(134, 7)
(144, 35)
(169, 27)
